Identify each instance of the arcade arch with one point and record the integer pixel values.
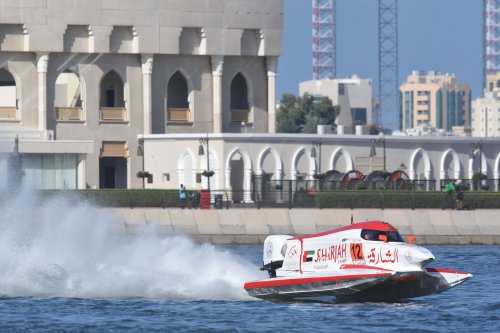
(449, 160)
(178, 98)
(420, 161)
(302, 160)
(335, 158)
(112, 91)
(240, 99)
(186, 169)
(68, 96)
(239, 175)
(8, 96)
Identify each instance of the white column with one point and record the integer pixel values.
(217, 67)
(80, 173)
(496, 175)
(147, 72)
(427, 175)
(247, 186)
(42, 62)
(272, 66)
(227, 179)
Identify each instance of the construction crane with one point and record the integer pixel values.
(324, 54)
(323, 37)
(491, 39)
(387, 114)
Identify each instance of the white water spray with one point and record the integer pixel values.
(60, 249)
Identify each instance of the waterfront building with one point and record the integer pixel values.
(80, 80)
(485, 119)
(237, 159)
(353, 95)
(434, 99)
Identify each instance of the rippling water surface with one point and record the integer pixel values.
(68, 267)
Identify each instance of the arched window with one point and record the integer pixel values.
(68, 97)
(178, 98)
(239, 99)
(112, 97)
(8, 96)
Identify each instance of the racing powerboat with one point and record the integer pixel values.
(362, 262)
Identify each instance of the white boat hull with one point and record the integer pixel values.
(361, 262)
(359, 287)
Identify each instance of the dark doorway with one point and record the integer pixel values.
(110, 98)
(112, 172)
(237, 175)
(109, 177)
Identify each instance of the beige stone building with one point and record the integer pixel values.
(353, 95)
(485, 119)
(434, 99)
(80, 80)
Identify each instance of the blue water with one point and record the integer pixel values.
(473, 306)
(68, 267)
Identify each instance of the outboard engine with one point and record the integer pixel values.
(274, 253)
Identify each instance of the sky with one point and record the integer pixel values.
(442, 35)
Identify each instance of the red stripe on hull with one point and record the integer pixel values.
(444, 270)
(287, 282)
(351, 266)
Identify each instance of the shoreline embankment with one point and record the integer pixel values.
(251, 226)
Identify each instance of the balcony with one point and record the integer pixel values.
(240, 115)
(8, 113)
(178, 115)
(69, 113)
(113, 113)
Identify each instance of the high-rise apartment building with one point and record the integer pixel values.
(434, 99)
(485, 117)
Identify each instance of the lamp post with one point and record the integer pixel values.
(373, 152)
(207, 173)
(317, 143)
(140, 152)
(474, 146)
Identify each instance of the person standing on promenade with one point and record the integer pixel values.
(460, 195)
(182, 196)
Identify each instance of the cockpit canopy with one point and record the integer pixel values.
(382, 236)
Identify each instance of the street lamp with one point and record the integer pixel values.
(373, 152)
(317, 143)
(474, 146)
(140, 152)
(207, 173)
(143, 174)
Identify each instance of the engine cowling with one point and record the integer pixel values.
(274, 251)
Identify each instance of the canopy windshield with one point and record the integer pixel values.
(377, 235)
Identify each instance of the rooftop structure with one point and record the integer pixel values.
(485, 116)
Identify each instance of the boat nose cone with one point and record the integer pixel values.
(419, 256)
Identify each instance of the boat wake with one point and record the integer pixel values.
(60, 249)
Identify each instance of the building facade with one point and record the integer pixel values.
(485, 119)
(434, 99)
(235, 159)
(80, 80)
(353, 95)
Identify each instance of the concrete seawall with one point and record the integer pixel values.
(251, 226)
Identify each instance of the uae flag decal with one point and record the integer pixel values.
(308, 256)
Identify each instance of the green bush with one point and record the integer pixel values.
(404, 199)
(120, 198)
(325, 199)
